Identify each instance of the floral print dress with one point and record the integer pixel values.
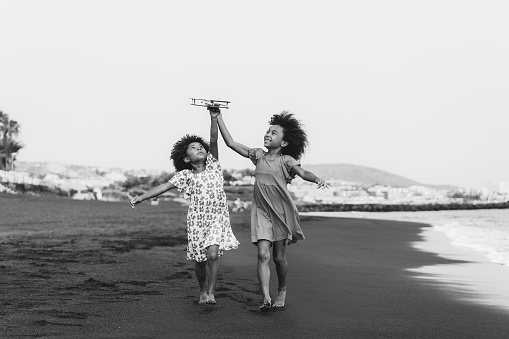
(208, 219)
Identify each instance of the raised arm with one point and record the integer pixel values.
(154, 192)
(236, 146)
(213, 132)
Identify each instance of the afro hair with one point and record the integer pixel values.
(179, 151)
(294, 134)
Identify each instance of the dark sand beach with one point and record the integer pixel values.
(79, 269)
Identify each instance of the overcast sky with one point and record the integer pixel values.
(417, 88)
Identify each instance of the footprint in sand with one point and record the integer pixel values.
(181, 275)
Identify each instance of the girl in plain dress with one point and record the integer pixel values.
(274, 216)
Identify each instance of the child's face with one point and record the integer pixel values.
(274, 137)
(195, 152)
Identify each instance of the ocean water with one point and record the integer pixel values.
(483, 234)
(485, 231)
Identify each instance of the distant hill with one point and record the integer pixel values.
(74, 171)
(366, 175)
(345, 172)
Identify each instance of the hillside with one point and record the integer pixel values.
(74, 171)
(345, 172)
(365, 175)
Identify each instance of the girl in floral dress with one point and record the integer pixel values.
(199, 178)
(274, 216)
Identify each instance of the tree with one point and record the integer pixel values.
(227, 176)
(13, 149)
(8, 146)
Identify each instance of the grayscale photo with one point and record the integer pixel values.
(269, 169)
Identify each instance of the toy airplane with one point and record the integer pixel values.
(209, 103)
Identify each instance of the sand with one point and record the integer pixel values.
(101, 270)
(472, 278)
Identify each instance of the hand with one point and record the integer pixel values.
(214, 111)
(321, 183)
(135, 201)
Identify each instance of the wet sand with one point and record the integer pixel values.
(101, 270)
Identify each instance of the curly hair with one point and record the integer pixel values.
(294, 134)
(179, 151)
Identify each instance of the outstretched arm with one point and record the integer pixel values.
(309, 176)
(214, 112)
(154, 192)
(236, 146)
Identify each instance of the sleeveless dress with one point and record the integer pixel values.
(208, 219)
(274, 215)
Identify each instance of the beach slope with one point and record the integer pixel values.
(128, 278)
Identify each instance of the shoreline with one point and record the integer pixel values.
(474, 278)
(78, 269)
(389, 207)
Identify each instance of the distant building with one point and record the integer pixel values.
(114, 195)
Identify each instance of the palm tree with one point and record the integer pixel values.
(12, 150)
(8, 146)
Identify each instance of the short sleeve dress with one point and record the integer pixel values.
(208, 219)
(274, 215)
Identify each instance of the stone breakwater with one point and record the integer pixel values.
(398, 207)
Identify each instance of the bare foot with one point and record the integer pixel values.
(211, 299)
(280, 299)
(266, 305)
(203, 298)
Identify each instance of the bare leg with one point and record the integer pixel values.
(264, 270)
(200, 268)
(281, 270)
(212, 272)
